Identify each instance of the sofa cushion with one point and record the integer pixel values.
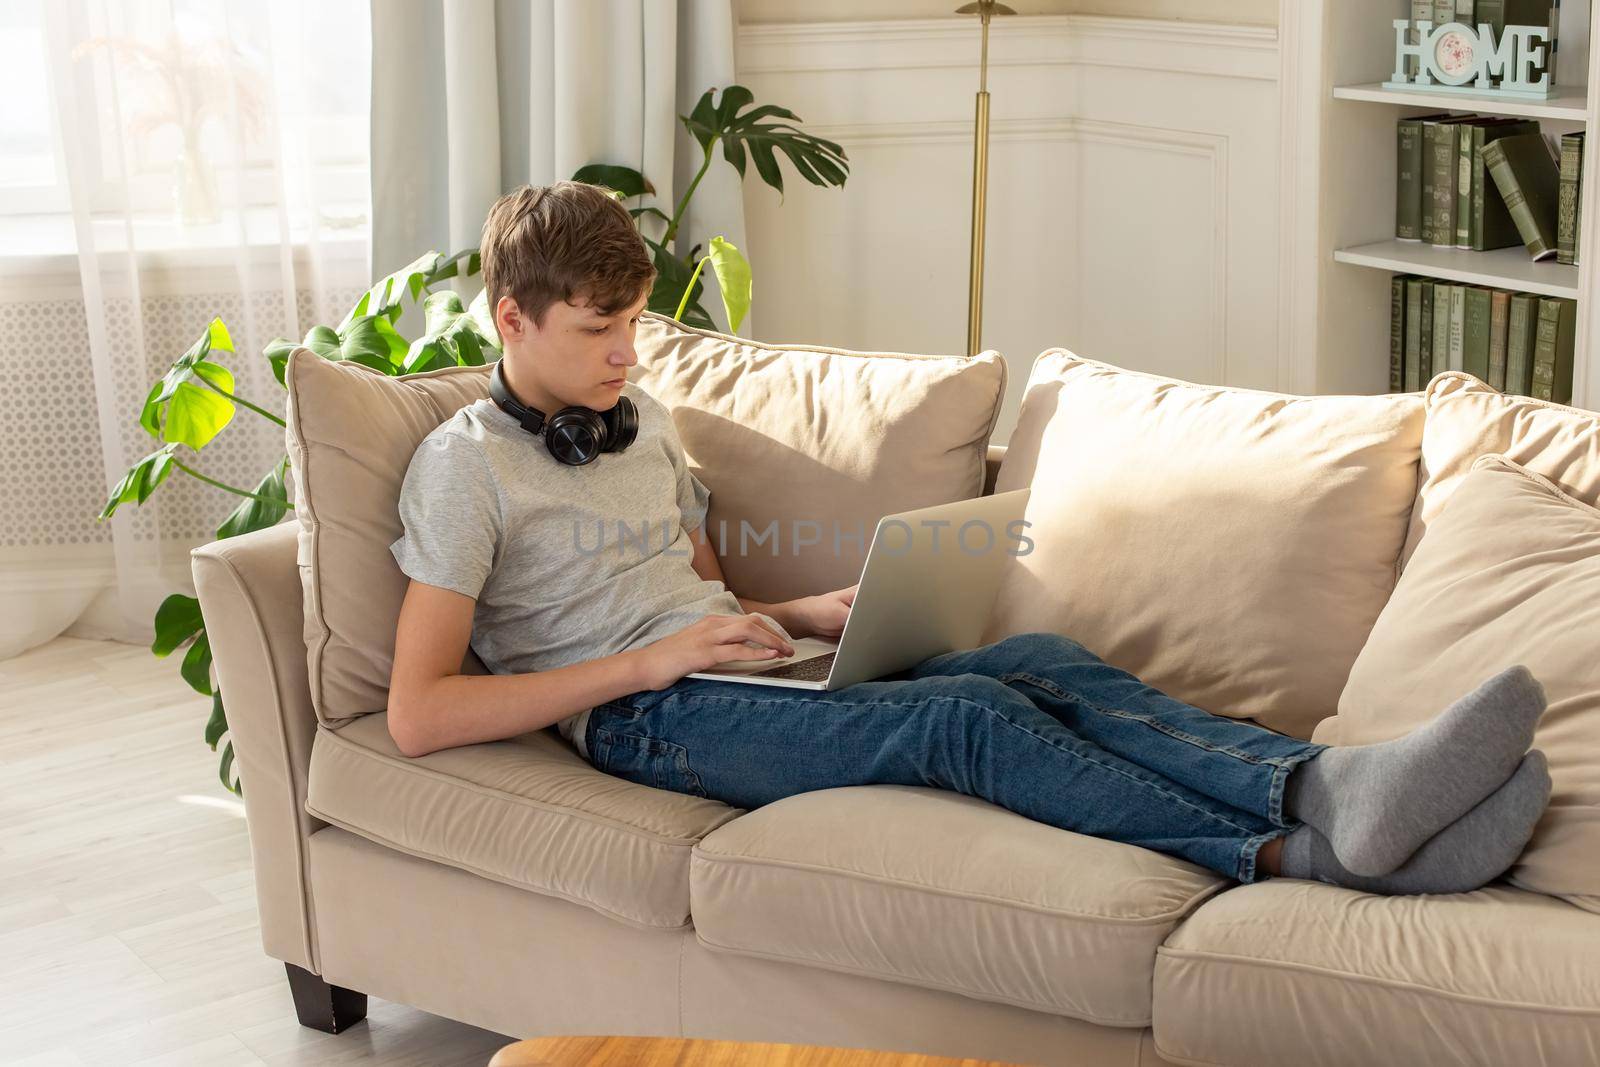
(1291, 971)
(1508, 573)
(528, 812)
(1467, 419)
(938, 889)
(820, 442)
(351, 433)
(1228, 546)
(780, 434)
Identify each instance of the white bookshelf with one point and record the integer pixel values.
(1503, 268)
(1339, 171)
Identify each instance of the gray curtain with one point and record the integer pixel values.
(474, 97)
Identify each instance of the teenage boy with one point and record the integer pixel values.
(528, 547)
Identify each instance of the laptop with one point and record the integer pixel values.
(927, 588)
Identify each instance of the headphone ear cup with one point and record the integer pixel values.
(622, 425)
(574, 436)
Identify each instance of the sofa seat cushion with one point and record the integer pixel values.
(1290, 971)
(1230, 547)
(528, 812)
(937, 889)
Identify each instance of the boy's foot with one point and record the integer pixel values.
(1464, 856)
(1377, 804)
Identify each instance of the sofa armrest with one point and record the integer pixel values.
(991, 467)
(249, 590)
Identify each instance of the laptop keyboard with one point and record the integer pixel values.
(815, 669)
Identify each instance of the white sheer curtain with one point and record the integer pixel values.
(166, 162)
(474, 97)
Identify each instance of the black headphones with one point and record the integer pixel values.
(574, 435)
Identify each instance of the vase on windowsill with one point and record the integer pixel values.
(194, 188)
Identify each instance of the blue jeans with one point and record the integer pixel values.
(1036, 724)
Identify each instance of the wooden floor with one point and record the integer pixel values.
(128, 926)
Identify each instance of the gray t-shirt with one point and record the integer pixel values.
(567, 564)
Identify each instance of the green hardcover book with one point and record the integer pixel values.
(1526, 177)
(1499, 316)
(1577, 212)
(1464, 180)
(1425, 334)
(1465, 13)
(1455, 336)
(1408, 179)
(1567, 198)
(1441, 148)
(1441, 327)
(1415, 379)
(1491, 222)
(1519, 342)
(1553, 350)
(1475, 333)
(1442, 141)
(1397, 333)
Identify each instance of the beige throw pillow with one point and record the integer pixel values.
(1467, 419)
(1509, 573)
(819, 441)
(351, 433)
(779, 433)
(1228, 546)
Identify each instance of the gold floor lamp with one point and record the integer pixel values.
(985, 10)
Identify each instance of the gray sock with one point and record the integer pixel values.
(1467, 854)
(1377, 804)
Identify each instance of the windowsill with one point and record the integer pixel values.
(45, 245)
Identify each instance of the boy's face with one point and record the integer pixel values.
(578, 356)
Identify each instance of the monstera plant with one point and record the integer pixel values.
(746, 133)
(195, 400)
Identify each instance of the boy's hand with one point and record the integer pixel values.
(713, 640)
(824, 615)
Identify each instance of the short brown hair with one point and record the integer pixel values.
(543, 243)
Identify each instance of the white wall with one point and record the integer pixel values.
(1133, 204)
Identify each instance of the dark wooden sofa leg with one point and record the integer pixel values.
(329, 1008)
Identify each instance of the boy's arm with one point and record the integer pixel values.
(433, 706)
(809, 616)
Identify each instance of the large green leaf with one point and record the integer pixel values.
(252, 514)
(217, 725)
(463, 264)
(196, 668)
(819, 161)
(387, 296)
(177, 620)
(225, 771)
(141, 479)
(179, 408)
(277, 353)
(453, 338)
(625, 180)
(672, 277)
(371, 341)
(479, 310)
(733, 280)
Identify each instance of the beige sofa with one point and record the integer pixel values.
(1234, 547)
